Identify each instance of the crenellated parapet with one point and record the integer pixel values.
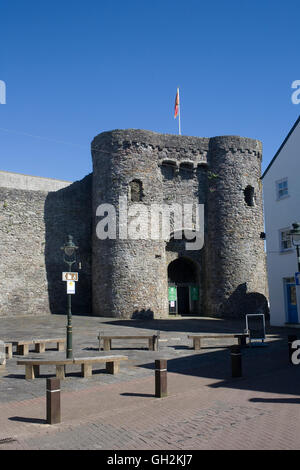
(222, 174)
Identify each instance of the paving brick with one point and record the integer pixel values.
(205, 408)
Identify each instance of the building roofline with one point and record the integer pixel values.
(35, 176)
(281, 147)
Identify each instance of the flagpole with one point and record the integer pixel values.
(179, 123)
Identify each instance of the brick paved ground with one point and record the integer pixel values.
(205, 409)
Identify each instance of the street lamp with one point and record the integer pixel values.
(295, 235)
(69, 250)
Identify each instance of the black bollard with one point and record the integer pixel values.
(236, 361)
(291, 339)
(53, 401)
(243, 342)
(161, 378)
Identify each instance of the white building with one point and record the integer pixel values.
(281, 186)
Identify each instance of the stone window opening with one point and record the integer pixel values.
(186, 169)
(169, 169)
(249, 195)
(188, 166)
(136, 191)
(169, 163)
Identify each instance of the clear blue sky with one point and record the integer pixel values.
(75, 68)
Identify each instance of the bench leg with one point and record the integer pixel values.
(106, 344)
(23, 349)
(60, 372)
(8, 348)
(29, 372)
(40, 347)
(60, 346)
(86, 370)
(151, 344)
(113, 367)
(197, 343)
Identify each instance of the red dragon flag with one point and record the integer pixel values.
(177, 111)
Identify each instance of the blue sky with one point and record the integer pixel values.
(74, 69)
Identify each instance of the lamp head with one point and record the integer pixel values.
(295, 234)
(69, 247)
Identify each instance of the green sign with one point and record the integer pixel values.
(172, 293)
(194, 293)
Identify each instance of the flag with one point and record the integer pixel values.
(176, 110)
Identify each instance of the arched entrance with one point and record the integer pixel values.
(183, 281)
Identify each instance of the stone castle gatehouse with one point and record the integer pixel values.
(131, 277)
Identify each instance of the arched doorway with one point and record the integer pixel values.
(183, 281)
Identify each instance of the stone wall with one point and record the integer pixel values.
(33, 226)
(125, 277)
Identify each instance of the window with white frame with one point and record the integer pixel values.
(285, 240)
(282, 188)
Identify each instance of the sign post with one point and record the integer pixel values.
(297, 282)
(70, 258)
(70, 279)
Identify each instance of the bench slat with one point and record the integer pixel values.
(199, 337)
(107, 339)
(82, 360)
(32, 367)
(78, 360)
(127, 337)
(36, 362)
(229, 335)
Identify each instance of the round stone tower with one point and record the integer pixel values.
(127, 273)
(236, 282)
(132, 270)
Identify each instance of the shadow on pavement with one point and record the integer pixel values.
(148, 395)
(27, 420)
(190, 325)
(264, 369)
(296, 401)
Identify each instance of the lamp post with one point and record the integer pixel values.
(295, 235)
(69, 250)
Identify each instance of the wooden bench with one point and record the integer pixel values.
(112, 364)
(39, 344)
(8, 350)
(107, 340)
(197, 338)
(32, 366)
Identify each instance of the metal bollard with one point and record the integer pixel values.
(291, 339)
(53, 401)
(243, 342)
(236, 361)
(161, 378)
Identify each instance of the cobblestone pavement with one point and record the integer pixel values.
(205, 409)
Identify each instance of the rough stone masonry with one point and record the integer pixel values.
(133, 278)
